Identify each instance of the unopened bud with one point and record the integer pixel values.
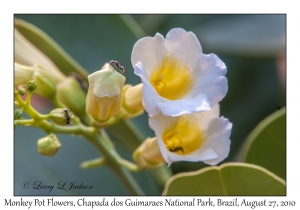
(45, 84)
(48, 145)
(105, 93)
(60, 117)
(21, 91)
(17, 114)
(133, 97)
(22, 74)
(31, 85)
(132, 105)
(148, 154)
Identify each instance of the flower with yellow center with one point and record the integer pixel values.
(177, 77)
(201, 136)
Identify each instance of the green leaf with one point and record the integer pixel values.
(50, 48)
(228, 179)
(266, 144)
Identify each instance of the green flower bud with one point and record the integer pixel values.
(45, 84)
(17, 114)
(48, 145)
(59, 117)
(22, 91)
(148, 154)
(70, 93)
(31, 85)
(104, 96)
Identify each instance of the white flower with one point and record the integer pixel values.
(193, 137)
(177, 77)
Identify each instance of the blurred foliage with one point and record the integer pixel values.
(248, 44)
(228, 179)
(44, 43)
(266, 144)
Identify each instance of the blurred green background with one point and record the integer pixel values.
(252, 47)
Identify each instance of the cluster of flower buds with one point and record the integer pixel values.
(108, 98)
(31, 64)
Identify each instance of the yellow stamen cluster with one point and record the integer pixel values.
(171, 79)
(183, 137)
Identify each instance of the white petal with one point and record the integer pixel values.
(217, 138)
(200, 155)
(150, 51)
(164, 151)
(210, 79)
(184, 46)
(174, 108)
(150, 96)
(204, 118)
(158, 123)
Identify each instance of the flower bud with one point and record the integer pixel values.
(70, 93)
(133, 97)
(148, 155)
(132, 105)
(17, 114)
(31, 85)
(45, 84)
(23, 74)
(104, 95)
(48, 145)
(21, 91)
(58, 116)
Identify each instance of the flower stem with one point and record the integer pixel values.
(57, 102)
(16, 103)
(102, 143)
(112, 160)
(129, 182)
(24, 122)
(95, 163)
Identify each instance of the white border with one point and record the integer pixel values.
(154, 6)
